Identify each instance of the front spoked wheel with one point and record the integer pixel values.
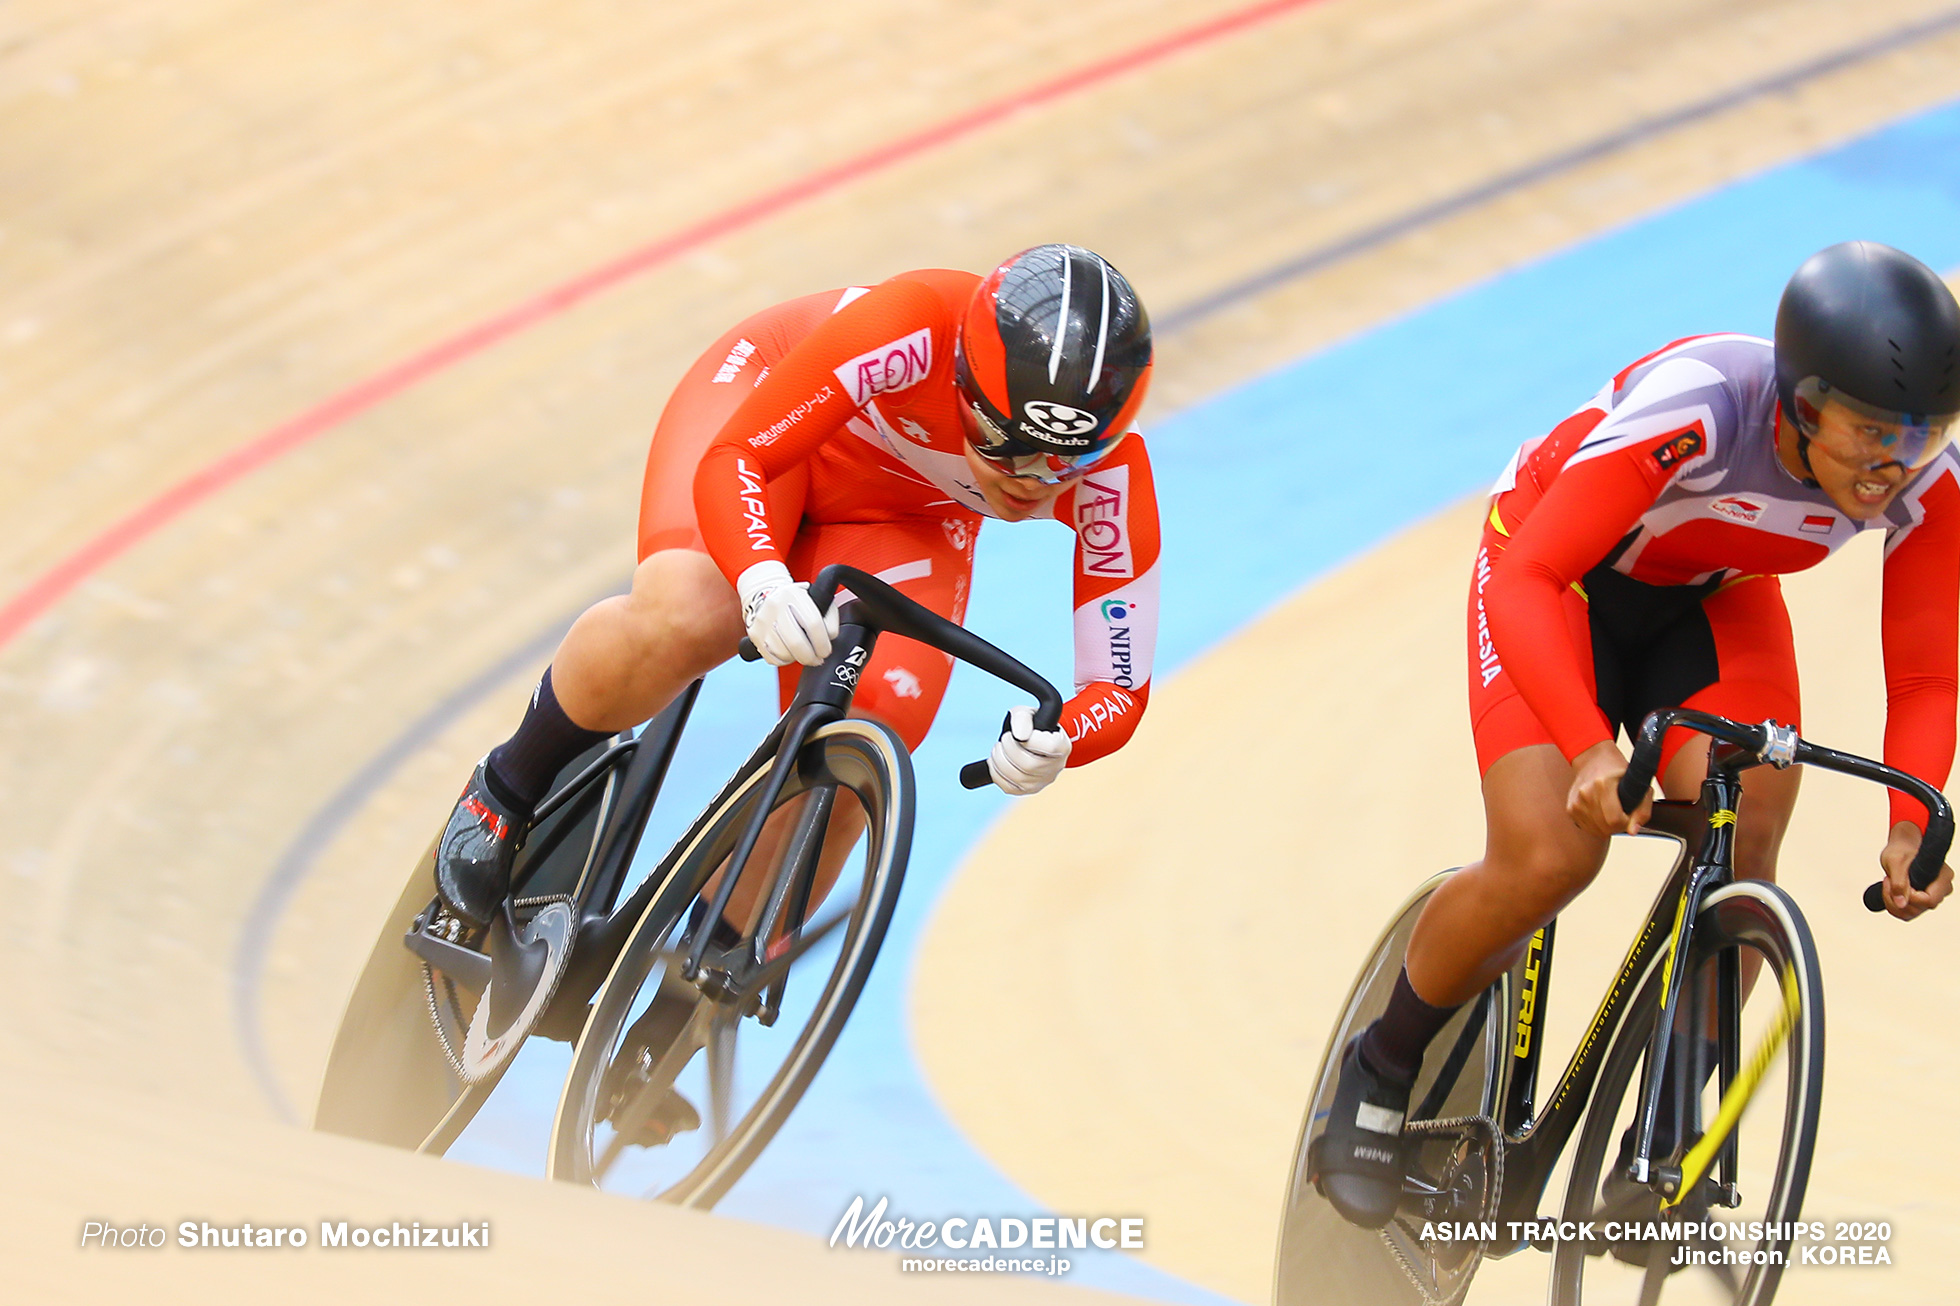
(677, 1083)
(1704, 1248)
(1325, 1260)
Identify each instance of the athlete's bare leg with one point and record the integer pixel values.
(629, 656)
(1536, 861)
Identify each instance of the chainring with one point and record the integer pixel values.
(1474, 1172)
(485, 1051)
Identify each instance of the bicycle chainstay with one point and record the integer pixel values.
(1493, 1147)
(449, 1053)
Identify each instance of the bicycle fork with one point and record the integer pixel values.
(1721, 791)
(824, 695)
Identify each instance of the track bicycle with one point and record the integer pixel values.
(1663, 1172)
(664, 1004)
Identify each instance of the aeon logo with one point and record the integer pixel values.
(895, 366)
(1058, 419)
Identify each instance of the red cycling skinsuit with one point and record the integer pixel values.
(1630, 561)
(826, 430)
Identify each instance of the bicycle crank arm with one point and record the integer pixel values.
(466, 966)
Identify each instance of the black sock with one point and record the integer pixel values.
(524, 765)
(1394, 1044)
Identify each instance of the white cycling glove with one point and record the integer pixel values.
(782, 618)
(1026, 760)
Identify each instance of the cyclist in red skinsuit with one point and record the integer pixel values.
(878, 427)
(852, 449)
(1629, 562)
(1707, 513)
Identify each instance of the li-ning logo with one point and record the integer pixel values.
(853, 663)
(1058, 419)
(1736, 508)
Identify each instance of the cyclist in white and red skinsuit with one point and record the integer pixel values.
(877, 427)
(1629, 562)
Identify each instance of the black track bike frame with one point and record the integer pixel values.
(823, 696)
(1533, 1142)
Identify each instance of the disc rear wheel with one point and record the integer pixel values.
(1325, 1261)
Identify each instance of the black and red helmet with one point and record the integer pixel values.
(1054, 357)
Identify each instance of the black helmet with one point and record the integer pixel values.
(1053, 355)
(1876, 329)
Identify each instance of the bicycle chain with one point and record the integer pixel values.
(435, 1017)
(1493, 1186)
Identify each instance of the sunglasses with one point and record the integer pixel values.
(1018, 458)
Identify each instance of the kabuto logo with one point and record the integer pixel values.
(731, 367)
(1060, 420)
(896, 366)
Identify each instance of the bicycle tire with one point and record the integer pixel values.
(1751, 914)
(858, 754)
(1322, 1259)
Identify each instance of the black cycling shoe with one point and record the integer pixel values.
(476, 850)
(1358, 1163)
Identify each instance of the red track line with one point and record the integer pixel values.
(45, 590)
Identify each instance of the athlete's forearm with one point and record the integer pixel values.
(1919, 626)
(731, 502)
(1101, 718)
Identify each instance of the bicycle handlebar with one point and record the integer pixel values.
(877, 604)
(1772, 744)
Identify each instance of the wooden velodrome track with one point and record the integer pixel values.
(434, 269)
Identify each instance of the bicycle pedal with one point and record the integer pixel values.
(449, 945)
